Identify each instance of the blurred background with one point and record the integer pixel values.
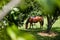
(12, 26)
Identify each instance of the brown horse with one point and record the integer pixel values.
(35, 19)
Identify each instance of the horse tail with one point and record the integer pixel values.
(42, 21)
(27, 23)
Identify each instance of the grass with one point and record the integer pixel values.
(36, 29)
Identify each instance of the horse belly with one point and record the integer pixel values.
(35, 21)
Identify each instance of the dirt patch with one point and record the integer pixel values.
(51, 34)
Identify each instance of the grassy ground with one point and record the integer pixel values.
(36, 29)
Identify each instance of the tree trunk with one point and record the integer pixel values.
(49, 21)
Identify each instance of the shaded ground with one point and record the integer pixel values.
(55, 31)
(36, 31)
(55, 34)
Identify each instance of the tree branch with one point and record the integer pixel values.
(7, 8)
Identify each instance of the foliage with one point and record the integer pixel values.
(3, 2)
(48, 6)
(29, 8)
(16, 34)
(18, 15)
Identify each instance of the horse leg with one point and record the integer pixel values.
(41, 25)
(26, 26)
(31, 25)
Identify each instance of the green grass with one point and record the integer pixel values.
(33, 31)
(36, 29)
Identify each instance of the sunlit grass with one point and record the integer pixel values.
(57, 23)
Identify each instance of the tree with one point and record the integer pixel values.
(50, 8)
(12, 15)
(5, 7)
